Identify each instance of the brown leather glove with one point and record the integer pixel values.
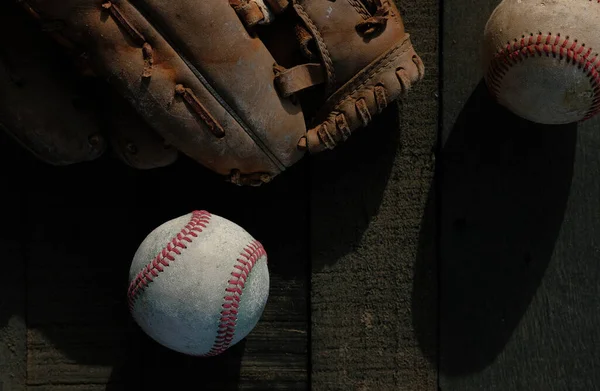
(244, 87)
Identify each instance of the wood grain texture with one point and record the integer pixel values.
(370, 238)
(463, 22)
(68, 235)
(64, 324)
(519, 235)
(13, 234)
(86, 222)
(13, 230)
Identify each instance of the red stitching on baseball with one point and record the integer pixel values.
(552, 45)
(242, 269)
(198, 221)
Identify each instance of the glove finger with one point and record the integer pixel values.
(351, 108)
(41, 105)
(366, 60)
(195, 74)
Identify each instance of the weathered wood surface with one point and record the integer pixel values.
(373, 295)
(13, 229)
(75, 234)
(519, 251)
(85, 223)
(68, 236)
(520, 247)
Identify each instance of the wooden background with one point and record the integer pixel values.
(455, 252)
(519, 234)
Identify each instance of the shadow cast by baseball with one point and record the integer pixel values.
(84, 223)
(502, 188)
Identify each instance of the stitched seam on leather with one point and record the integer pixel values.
(331, 79)
(360, 8)
(373, 70)
(230, 110)
(198, 221)
(239, 276)
(571, 52)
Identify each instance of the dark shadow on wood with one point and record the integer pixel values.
(504, 188)
(424, 300)
(276, 215)
(69, 234)
(349, 187)
(13, 355)
(13, 179)
(152, 367)
(85, 223)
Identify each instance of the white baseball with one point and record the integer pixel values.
(198, 284)
(541, 59)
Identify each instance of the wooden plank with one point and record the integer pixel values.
(463, 22)
(67, 387)
(373, 290)
(83, 224)
(519, 235)
(82, 238)
(14, 169)
(13, 230)
(86, 222)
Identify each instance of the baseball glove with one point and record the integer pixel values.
(244, 87)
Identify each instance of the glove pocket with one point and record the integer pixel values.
(196, 77)
(366, 95)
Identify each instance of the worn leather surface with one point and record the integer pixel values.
(349, 50)
(358, 63)
(200, 76)
(203, 46)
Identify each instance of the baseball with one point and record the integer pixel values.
(541, 59)
(198, 284)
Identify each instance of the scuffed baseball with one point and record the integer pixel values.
(198, 284)
(541, 59)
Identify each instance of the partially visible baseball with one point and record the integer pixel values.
(541, 59)
(198, 284)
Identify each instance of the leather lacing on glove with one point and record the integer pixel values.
(319, 70)
(335, 102)
(291, 81)
(254, 12)
(381, 13)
